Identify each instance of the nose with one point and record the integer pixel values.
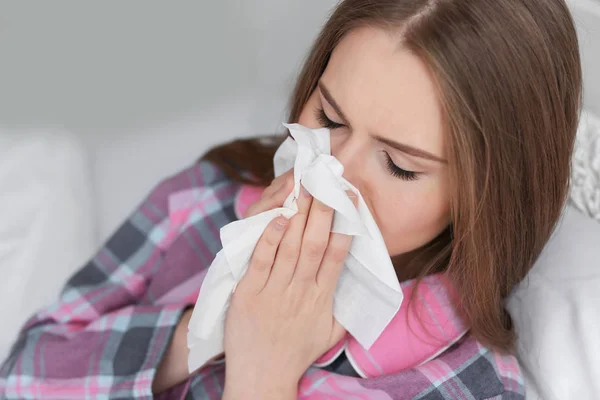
(348, 153)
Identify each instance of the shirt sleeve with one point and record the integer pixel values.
(105, 336)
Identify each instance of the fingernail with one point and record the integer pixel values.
(305, 192)
(281, 223)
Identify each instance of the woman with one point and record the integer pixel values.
(456, 121)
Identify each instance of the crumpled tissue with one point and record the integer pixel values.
(368, 294)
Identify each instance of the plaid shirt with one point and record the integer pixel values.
(105, 336)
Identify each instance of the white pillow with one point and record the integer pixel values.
(556, 309)
(585, 183)
(47, 227)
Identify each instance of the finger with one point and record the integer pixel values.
(314, 242)
(333, 260)
(278, 182)
(335, 256)
(275, 200)
(289, 249)
(273, 187)
(268, 203)
(263, 256)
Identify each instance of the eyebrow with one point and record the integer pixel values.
(413, 151)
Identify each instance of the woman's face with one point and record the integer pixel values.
(381, 105)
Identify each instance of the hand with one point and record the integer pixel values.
(173, 367)
(280, 318)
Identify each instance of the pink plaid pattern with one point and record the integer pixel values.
(106, 335)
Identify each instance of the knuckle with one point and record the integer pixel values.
(271, 237)
(288, 253)
(338, 252)
(314, 249)
(261, 261)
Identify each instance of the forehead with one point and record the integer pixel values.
(385, 89)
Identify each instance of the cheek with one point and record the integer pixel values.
(409, 214)
(412, 218)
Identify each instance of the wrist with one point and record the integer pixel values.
(253, 379)
(259, 383)
(173, 367)
(267, 389)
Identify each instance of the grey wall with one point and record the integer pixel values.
(100, 66)
(96, 67)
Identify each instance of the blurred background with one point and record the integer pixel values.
(151, 84)
(101, 100)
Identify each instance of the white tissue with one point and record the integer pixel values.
(368, 294)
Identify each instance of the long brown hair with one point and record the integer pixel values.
(509, 79)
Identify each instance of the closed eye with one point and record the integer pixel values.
(325, 121)
(393, 169)
(399, 172)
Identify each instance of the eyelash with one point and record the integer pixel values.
(325, 121)
(399, 172)
(392, 168)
